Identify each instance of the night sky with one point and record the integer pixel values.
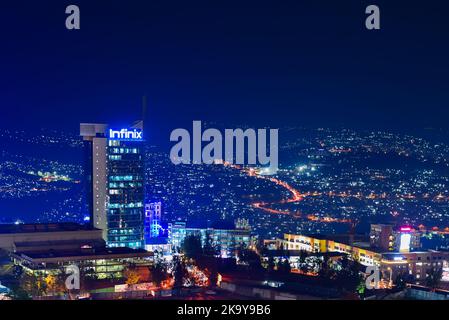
(257, 62)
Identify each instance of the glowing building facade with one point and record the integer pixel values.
(115, 174)
(153, 215)
(390, 238)
(224, 237)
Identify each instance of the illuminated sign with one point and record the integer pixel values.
(125, 134)
(405, 242)
(406, 229)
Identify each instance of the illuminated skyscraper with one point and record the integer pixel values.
(116, 182)
(153, 214)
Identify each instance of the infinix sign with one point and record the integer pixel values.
(125, 134)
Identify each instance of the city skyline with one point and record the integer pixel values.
(224, 151)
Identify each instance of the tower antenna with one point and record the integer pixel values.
(144, 112)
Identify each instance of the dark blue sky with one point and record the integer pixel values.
(259, 62)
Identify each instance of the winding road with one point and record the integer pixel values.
(296, 196)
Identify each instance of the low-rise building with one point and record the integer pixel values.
(387, 237)
(415, 264)
(359, 249)
(95, 263)
(223, 236)
(159, 245)
(50, 248)
(46, 236)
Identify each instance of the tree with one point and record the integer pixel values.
(5, 262)
(17, 271)
(34, 285)
(251, 258)
(284, 266)
(179, 272)
(281, 247)
(434, 277)
(260, 247)
(302, 256)
(158, 273)
(192, 246)
(348, 280)
(209, 264)
(325, 268)
(18, 293)
(271, 264)
(349, 276)
(52, 284)
(132, 276)
(361, 289)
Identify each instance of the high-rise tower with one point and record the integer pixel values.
(116, 182)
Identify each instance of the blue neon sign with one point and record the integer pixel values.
(126, 134)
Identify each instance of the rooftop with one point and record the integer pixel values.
(89, 252)
(200, 224)
(48, 227)
(297, 253)
(156, 241)
(357, 239)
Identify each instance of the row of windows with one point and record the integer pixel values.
(120, 222)
(119, 143)
(114, 185)
(132, 244)
(114, 143)
(125, 211)
(127, 231)
(125, 205)
(124, 178)
(124, 150)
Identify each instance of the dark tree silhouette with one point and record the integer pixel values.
(192, 246)
(179, 272)
(158, 273)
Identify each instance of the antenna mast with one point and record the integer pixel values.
(144, 112)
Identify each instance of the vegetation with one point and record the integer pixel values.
(35, 286)
(179, 272)
(158, 272)
(251, 259)
(284, 266)
(132, 276)
(192, 247)
(349, 276)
